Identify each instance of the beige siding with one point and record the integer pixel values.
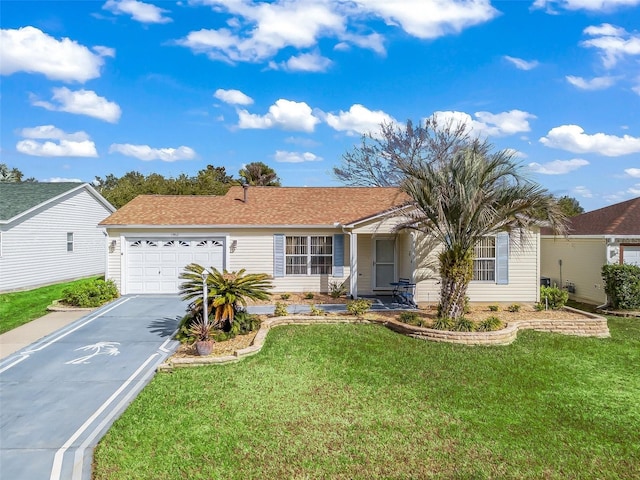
(253, 251)
(523, 283)
(34, 248)
(582, 261)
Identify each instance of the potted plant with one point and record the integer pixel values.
(201, 332)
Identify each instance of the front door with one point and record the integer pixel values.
(384, 265)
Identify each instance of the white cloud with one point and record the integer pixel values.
(634, 190)
(146, 153)
(58, 143)
(284, 114)
(522, 64)
(613, 43)
(139, 11)
(82, 102)
(558, 167)
(257, 31)
(282, 156)
(573, 139)
(590, 5)
(430, 18)
(33, 51)
(490, 124)
(582, 191)
(305, 62)
(261, 30)
(233, 97)
(62, 180)
(359, 120)
(633, 172)
(52, 133)
(596, 83)
(104, 51)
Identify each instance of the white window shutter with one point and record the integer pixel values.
(338, 255)
(278, 255)
(502, 258)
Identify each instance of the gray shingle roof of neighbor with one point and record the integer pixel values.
(619, 219)
(17, 198)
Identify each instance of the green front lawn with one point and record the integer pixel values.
(19, 308)
(361, 402)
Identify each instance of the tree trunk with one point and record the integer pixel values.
(456, 271)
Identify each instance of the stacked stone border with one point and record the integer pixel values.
(590, 326)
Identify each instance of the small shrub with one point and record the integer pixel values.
(309, 296)
(553, 297)
(467, 305)
(91, 294)
(463, 324)
(244, 322)
(514, 308)
(358, 307)
(285, 296)
(316, 312)
(490, 324)
(409, 317)
(494, 308)
(540, 306)
(622, 286)
(337, 289)
(443, 323)
(280, 310)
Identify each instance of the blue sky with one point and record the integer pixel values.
(92, 88)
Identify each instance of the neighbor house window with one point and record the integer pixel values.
(307, 255)
(484, 262)
(69, 241)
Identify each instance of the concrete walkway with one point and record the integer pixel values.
(24, 335)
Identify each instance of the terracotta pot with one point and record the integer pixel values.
(204, 347)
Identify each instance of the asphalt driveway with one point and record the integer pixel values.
(60, 395)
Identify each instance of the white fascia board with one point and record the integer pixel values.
(216, 226)
(389, 213)
(569, 237)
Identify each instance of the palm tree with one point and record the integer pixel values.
(471, 194)
(227, 291)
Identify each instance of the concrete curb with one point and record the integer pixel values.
(592, 326)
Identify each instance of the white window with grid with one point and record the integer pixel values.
(309, 255)
(484, 262)
(69, 241)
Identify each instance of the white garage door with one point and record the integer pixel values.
(153, 265)
(631, 255)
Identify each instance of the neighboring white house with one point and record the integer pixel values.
(49, 233)
(608, 235)
(305, 238)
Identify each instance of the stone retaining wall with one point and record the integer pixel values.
(591, 326)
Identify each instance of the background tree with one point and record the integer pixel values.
(259, 174)
(570, 206)
(11, 175)
(376, 161)
(119, 191)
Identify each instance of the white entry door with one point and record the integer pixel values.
(384, 262)
(631, 255)
(153, 265)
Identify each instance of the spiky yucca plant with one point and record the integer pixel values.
(227, 291)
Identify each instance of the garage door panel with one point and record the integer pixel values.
(154, 265)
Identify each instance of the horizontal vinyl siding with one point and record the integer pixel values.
(34, 250)
(524, 282)
(582, 261)
(523, 276)
(253, 252)
(114, 259)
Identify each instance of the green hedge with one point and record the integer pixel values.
(622, 286)
(90, 294)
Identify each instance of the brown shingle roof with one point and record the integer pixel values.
(264, 206)
(619, 219)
